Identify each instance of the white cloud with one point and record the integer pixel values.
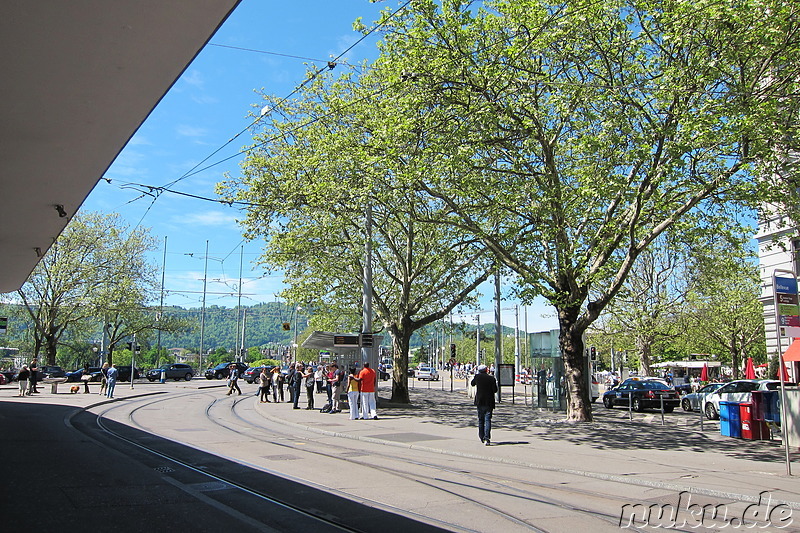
(190, 131)
(209, 218)
(193, 78)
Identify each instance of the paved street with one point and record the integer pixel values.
(423, 462)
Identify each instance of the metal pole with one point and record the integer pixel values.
(203, 311)
(517, 362)
(367, 281)
(478, 342)
(498, 329)
(239, 306)
(133, 359)
(781, 368)
(161, 304)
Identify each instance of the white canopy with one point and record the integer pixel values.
(687, 364)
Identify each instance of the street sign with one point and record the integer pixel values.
(366, 340)
(347, 341)
(787, 310)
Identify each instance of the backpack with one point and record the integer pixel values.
(326, 409)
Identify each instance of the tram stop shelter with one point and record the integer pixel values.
(346, 348)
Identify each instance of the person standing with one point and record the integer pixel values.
(309, 380)
(264, 380)
(290, 382)
(277, 384)
(295, 382)
(336, 387)
(319, 377)
(34, 375)
(104, 379)
(112, 376)
(352, 392)
(486, 388)
(22, 379)
(367, 378)
(233, 380)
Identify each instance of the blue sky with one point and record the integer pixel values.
(207, 107)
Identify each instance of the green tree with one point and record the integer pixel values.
(569, 137)
(319, 198)
(66, 287)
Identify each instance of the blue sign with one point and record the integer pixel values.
(786, 285)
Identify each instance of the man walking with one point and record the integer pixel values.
(486, 388)
(233, 380)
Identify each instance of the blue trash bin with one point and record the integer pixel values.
(730, 422)
(772, 403)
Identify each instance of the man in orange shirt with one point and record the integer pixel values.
(367, 378)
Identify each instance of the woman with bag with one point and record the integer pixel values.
(353, 386)
(264, 380)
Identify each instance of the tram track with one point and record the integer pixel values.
(501, 486)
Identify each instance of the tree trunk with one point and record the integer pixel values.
(645, 348)
(575, 380)
(400, 344)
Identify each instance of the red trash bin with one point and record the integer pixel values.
(752, 429)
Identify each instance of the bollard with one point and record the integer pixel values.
(163, 376)
(661, 396)
(630, 406)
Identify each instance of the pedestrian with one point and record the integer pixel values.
(112, 376)
(233, 380)
(277, 384)
(295, 381)
(353, 385)
(34, 370)
(319, 377)
(486, 388)
(85, 377)
(310, 382)
(336, 387)
(367, 378)
(22, 378)
(103, 379)
(264, 380)
(290, 382)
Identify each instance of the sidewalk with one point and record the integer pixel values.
(675, 457)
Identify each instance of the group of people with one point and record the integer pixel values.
(317, 379)
(27, 379)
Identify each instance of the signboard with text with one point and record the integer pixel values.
(787, 309)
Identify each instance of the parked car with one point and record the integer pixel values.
(176, 371)
(642, 394)
(51, 372)
(736, 391)
(96, 372)
(125, 373)
(74, 376)
(694, 400)
(427, 373)
(9, 374)
(222, 370)
(251, 374)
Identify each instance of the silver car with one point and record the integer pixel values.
(735, 391)
(694, 400)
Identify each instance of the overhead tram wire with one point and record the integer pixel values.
(330, 65)
(156, 191)
(192, 172)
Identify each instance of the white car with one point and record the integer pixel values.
(735, 391)
(427, 373)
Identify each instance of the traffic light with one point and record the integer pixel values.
(593, 354)
(453, 351)
(130, 346)
(286, 326)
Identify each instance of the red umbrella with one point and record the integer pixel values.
(749, 369)
(704, 373)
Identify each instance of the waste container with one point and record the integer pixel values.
(752, 429)
(729, 419)
(761, 405)
(773, 406)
